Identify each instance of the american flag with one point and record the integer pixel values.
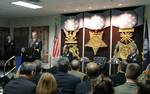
(56, 49)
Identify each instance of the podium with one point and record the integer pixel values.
(31, 54)
(28, 54)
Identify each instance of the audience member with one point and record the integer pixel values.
(130, 87)
(103, 85)
(37, 64)
(92, 72)
(119, 78)
(75, 66)
(22, 84)
(84, 61)
(147, 71)
(144, 87)
(4, 80)
(66, 82)
(143, 77)
(105, 69)
(53, 69)
(47, 84)
(144, 74)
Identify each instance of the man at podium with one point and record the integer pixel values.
(35, 46)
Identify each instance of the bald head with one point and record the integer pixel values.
(92, 70)
(75, 64)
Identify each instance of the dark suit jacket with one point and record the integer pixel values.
(83, 87)
(20, 86)
(118, 79)
(37, 45)
(9, 49)
(66, 82)
(134, 58)
(37, 77)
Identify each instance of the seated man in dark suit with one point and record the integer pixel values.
(66, 82)
(103, 85)
(22, 84)
(75, 66)
(85, 86)
(119, 78)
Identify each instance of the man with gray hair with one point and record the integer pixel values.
(22, 84)
(75, 66)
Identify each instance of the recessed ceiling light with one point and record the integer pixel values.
(28, 5)
(104, 6)
(119, 4)
(77, 9)
(89, 7)
(65, 10)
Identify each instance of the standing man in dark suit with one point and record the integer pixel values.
(36, 46)
(22, 84)
(9, 48)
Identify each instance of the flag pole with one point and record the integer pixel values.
(83, 50)
(110, 50)
(50, 61)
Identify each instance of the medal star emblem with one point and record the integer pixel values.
(126, 37)
(96, 41)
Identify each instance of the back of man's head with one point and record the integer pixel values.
(133, 71)
(63, 64)
(37, 64)
(103, 85)
(75, 64)
(27, 68)
(122, 66)
(92, 70)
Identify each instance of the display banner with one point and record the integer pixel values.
(128, 27)
(104, 33)
(72, 33)
(97, 34)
